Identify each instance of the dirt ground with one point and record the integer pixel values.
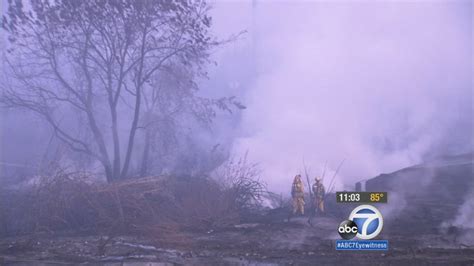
(287, 243)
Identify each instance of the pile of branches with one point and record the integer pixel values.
(67, 201)
(241, 180)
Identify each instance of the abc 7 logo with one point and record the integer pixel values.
(348, 229)
(365, 222)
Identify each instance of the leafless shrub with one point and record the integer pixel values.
(60, 201)
(241, 179)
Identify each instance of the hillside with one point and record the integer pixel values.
(431, 192)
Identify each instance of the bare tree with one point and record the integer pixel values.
(171, 105)
(86, 61)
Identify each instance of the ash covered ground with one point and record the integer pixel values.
(277, 243)
(422, 229)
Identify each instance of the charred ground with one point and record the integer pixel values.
(187, 220)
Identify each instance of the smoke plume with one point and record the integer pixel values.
(383, 84)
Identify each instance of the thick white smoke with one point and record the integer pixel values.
(382, 84)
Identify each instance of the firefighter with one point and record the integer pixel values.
(319, 194)
(297, 193)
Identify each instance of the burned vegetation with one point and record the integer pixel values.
(75, 203)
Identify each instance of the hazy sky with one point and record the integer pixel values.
(381, 83)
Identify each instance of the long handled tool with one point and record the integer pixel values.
(332, 184)
(307, 180)
(310, 192)
(324, 171)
